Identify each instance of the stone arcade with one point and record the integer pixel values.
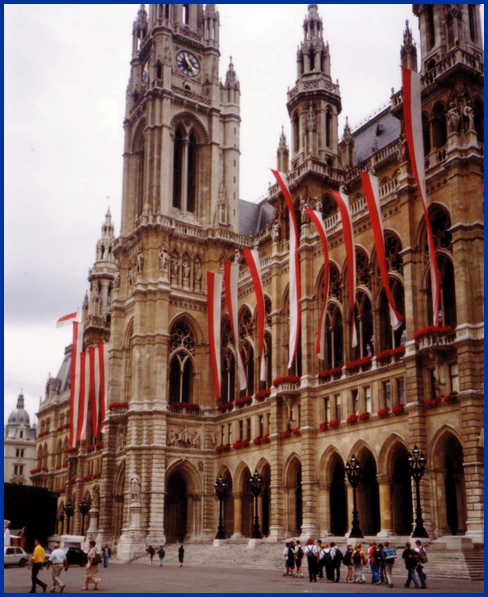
(166, 441)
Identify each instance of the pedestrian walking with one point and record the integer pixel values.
(161, 554)
(336, 562)
(91, 574)
(389, 557)
(410, 557)
(58, 561)
(358, 562)
(347, 561)
(289, 556)
(320, 563)
(181, 554)
(422, 559)
(298, 559)
(312, 555)
(372, 562)
(151, 553)
(327, 561)
(37, 564)
(380, 564)
(106, 555)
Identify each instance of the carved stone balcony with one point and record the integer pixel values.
(287, 386)
(435, 339)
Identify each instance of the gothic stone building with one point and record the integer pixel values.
(19, 446)
(166, 438)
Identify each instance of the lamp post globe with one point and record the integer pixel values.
(221, 491)
(256, 483)
(353, 473)
(84, 507)
(416, 467)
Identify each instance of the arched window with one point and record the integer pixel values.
(59, 453)
(65, 448)
(329, 206)
(430, 26)
(439, 126)
(389, 338)
(312, 59)
(364, 322)
(296, 133)
(333, 339)
(228, 376)
(178, 168)
(181, 364)
(139, 153)
(186, 14)
(328, 127)
(448, 314)
(363, 268)
(248, 357)
(268, 355)
(472, 22)
(192, 173)
(426, 133)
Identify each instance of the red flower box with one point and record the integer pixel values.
(324, 426)
(237, 445)
(433, 330)
(262, 395)
(91, 448)
(43, 434)
(63, 427)
(334, 424)
(328, 373)
(245, 443)
(58, 468)
(285, 434)
(363, 417)
(383, 413)
(99, 446)
(287, 379)
(450, 398)
(245, 400)
(227, 406)
(186, 405)
(398, 409)
(359, 364)
(265, 439)
(71, 450)
(296, 431)
(386, 356)
(432, 402)
(352, 419)
(257, 441)
(34, 471)
(72, 482)
(118, 405)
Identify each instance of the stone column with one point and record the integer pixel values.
(384, 482)
(324, 510)
(260, 511)
(350, 505)
(237, 515)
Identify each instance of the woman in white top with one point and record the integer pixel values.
(312, 554)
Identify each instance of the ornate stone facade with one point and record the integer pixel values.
(166, 439)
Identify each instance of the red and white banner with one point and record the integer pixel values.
(294, 269)
(412, 110)
(214, 309)
(254, 263)
(318, 220)
(371, 186)
(66, 320)
(83, 396)
(76, 350)
(102, 354)
(231, 281)
(347, 227)
(94, 387)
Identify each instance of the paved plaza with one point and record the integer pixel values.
(141, 578)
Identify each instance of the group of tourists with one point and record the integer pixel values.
(326, 558)
(151, 552)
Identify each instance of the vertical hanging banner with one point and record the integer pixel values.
(83, 397)
(412, 110)
(294, 269)
(103, 381)
(231, 281)
(94, 387)
(214, 308)
(347, 227)
(74, 398)
(254, 263)
(318, 220)
(371, 186)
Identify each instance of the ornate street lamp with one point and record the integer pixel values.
(416, 467)
(69, 511)
(61, 521)
(353, 472)
(221, 490)
(84, 509)
(256, 482)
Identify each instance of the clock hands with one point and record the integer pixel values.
(189, 64)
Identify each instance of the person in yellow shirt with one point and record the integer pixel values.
(37, 563)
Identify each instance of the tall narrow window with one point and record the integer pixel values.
(241, 430)
(368, 400)
(338, 407)
(139, 151)
(430, 26)
(454, 377)
(296, 133)
(186, 14)
(178, 168)
(401, 397)
(181, 366)
(355, 402)
(248, 430)
(387, 394)
(439, 126)
(312, 60)
(472, 22)
(192, 173)
(328, 128)
(327, 409)
(426, 133)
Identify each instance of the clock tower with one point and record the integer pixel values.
(182, 122)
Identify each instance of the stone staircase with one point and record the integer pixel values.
(449, 557)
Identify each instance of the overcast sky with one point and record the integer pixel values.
(66, 73)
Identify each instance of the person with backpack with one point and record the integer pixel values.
(289, 556)
(320, 563)
(422, 559)
(410, 557)
(358, 562)
(372, 562)
(389, 557)
(151, 553)
(312, 554)
(161, 554)
(380, 564)
(298, 559)
(347, 561)
(336, 562)
(327, 561)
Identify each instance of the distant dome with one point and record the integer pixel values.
(19, 415)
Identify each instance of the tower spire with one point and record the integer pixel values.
(408, 52)
(283, 154)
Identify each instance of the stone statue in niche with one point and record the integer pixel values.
(140, 262)
(198, 274)
(175, 267)
(469, 116)
(186, 269)
(122, 439)
(276, 231)
(95, 496)
(453, 118)
(117, 280)
(135, 487)
(163, 259)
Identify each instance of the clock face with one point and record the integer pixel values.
(188, 63)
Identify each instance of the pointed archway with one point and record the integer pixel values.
(294, 497)
(183, 504)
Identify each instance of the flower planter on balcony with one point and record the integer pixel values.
(451, 398)
(222, 449)
(244, 401)
(334, 424)
(287, 385)
(388, 356)
(324, 426)
(118, 408)
(352, 419)
(384, 413)
(262, 395)
(330, 375)
(363, 417)
(361, 365)
(398, 409)
(432, 402)
(227, 407)
(285, 434)
(435, 337)
(296, 431)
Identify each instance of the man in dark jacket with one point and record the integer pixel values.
(410, 557)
